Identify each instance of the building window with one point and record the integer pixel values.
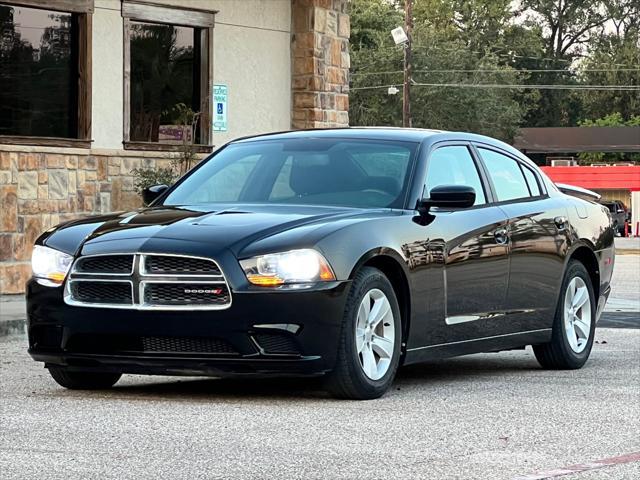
(167, 76)
(44, 79)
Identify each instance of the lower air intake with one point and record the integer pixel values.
(186, 345)
(277, 343)
(129, 344)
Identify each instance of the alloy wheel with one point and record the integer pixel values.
(577, 314)
(375, 334)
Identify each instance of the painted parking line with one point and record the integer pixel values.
(582, 467)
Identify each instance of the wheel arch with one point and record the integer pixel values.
(585, 255)
(394, 267)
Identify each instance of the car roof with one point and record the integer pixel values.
(382, 133)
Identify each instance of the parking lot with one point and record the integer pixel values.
(495, 416)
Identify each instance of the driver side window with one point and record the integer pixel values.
(454, 165)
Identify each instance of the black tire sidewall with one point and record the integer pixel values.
(80, 380)
(370, 279)
(575, 360)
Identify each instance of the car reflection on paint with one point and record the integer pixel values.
(335, 253)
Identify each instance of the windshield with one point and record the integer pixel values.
(345, 172)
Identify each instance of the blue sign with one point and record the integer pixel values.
(220, 93)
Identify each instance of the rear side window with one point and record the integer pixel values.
(506, 175)
(454, 165)
(532, 182)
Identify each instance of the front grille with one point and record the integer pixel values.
(116, 293)
(129, 344)
(185, 294)
(147, 281)
(105, 264)
(170, 265)
(280, 343)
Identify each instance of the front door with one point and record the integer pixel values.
(475, 255)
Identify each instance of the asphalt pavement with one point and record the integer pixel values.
(495, 416)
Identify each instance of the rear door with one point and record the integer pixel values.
(475, 270)
(537, 238)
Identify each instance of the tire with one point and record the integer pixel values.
(356, 351)
(75, 380)
(562, 353)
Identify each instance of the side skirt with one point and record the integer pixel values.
(478, 345)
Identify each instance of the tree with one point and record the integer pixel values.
(373, 50)
(461, 45)
(614, 59)
(451, 45)
(567, 26)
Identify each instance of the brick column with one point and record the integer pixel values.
(320, 53)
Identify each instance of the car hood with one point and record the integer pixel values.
(195, 229)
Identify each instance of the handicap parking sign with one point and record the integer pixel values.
(220, 93)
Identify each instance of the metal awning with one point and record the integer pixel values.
(578, 139)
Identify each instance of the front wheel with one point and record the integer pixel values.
(369, 349)
(78, 380)
(574, 324)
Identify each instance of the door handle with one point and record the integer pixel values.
(561, 222)
(501, 235)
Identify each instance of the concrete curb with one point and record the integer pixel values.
(12, 327)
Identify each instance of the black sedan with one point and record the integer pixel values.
(343, 253)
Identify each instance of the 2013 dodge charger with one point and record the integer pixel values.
(344, 253)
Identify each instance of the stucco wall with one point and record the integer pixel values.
(252, 56)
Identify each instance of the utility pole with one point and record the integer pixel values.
(406, 91)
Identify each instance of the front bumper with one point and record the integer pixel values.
(305, 323)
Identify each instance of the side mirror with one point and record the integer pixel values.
(448, 196)
(149, 194)
(620, 210)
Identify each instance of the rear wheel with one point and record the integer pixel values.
(78, 380)
(369, 350)
(574, 324)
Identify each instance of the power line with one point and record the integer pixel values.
(510, 71)
(633, 88)
(488, 53)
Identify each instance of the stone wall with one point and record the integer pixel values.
(41, 188)
(320, 50)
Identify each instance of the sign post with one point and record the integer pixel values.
(220, 108)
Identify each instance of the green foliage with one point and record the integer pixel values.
(147, 177)
(612, 120)
(445, 37)
(496, 42)
(616, 52)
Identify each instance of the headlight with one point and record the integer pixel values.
(295, 266)
(49, 264)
